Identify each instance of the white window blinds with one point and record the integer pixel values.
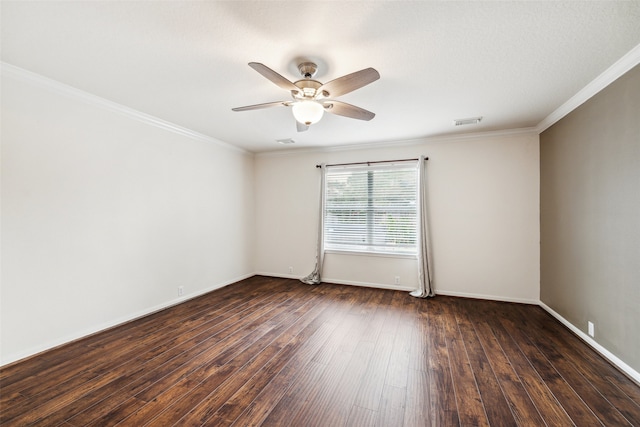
(371, 208)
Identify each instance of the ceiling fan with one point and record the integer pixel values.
(310, 98)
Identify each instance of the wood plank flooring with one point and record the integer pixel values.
(276, 352)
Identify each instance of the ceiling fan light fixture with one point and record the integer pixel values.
(311, 97)
(307, 112)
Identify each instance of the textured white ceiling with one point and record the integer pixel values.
(185, 62)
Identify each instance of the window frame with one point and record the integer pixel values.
(371, 248)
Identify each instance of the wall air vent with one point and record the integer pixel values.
(469, 121)
(285, 141)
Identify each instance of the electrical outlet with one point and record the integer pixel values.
(592, 329)
(180, 291)
(290, 270)
(396, 280)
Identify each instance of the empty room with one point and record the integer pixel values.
(320, 213)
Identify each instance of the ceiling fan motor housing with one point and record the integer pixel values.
(308, 88)
(307, 69)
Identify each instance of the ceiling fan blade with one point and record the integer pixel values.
(259, 106)
(350, 82)
(273, 76)
(301, 127)
(348, 110)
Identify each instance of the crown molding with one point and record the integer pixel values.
(611, 74)
(55, 86)
(401, 143)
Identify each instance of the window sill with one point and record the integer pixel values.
(370, 254)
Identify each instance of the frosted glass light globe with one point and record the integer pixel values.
(308, 112)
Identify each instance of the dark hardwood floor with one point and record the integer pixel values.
(276, 352)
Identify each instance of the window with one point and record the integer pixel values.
(371, 209)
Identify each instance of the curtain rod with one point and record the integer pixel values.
(368, 163)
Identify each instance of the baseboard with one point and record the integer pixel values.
(279, 275)
(628, 370)
(344, 282)
(370, 285)
(406, 288)
(487, 297)
(35, 351)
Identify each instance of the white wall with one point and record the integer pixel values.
(484, 216)
(104, 216)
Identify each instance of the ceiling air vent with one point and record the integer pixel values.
(285, 141)
(469, 121)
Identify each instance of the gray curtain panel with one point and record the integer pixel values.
(425, 288)
(315, 277)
